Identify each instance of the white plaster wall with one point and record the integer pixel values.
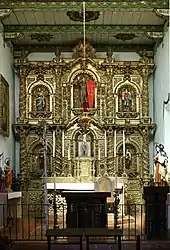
(6, 61)
(161, 90)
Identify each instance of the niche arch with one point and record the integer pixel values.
(127, 99)
(79, 138)
(78, 88)
(36, 159)
(43, 90)
(131, 159)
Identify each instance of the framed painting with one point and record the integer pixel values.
(4, 106)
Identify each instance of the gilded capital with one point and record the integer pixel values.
(4, 13)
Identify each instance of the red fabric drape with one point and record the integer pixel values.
(91, 85)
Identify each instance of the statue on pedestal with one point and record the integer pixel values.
(161, 164)
(40, 102)
(2, 181)
(8, 175)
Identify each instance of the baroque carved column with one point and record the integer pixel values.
(109, 92)
(144, 70)
(145, 153)
(23, 158)
(58, 152)
(23, 69)
(110, 147)
(58, 92)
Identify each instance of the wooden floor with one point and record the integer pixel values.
(125, 246)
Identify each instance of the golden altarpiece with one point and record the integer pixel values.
(84, 144)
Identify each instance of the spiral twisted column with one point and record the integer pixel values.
(58, 153)
(144, 70)
(145, 154)
(23, 70)
(58, 93)
(110, 156)
(109, 97)
(23, 159)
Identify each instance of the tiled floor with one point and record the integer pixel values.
(125, 246)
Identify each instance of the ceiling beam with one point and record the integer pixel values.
(90, 28)
(69, 48)
(77, 4)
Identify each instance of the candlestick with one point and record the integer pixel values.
(123, 143)
(62, 143)
(99, 155)
(105, 144)
(53, 143)
(115, 143)
(54, 181)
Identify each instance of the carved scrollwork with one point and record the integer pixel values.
(78, 51)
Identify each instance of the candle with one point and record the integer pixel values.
(62, 143)
(53, 143)
(123, 143)
(105, 144)
(55, 182)
(99, 155)
(115, 143)
(68, 153)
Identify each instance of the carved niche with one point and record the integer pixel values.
(127, 101)
(84, 144)
(36, 160)
(40, 101)
(80, 92)
(131, 161)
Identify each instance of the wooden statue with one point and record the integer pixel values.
(8, 176)
(161, 163)
(2, 181)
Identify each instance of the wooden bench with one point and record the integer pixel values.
(69, 232)
(103, 232)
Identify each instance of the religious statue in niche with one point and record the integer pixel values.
(126, 98)
(40, 101)
(127, 101)
(161, 165)
(84, 144)
(84, 92)
(37, 161)
(84, 148)
(128, 159)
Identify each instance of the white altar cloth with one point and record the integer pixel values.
(71, 186)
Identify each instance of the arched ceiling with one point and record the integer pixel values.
(39, 25)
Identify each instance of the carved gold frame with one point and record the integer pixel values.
(4, 106)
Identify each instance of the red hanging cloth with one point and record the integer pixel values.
(91, 85)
